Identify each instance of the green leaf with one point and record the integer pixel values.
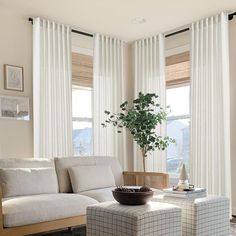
(141, 119)
(123, 104)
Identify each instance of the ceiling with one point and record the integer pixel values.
(114, 17)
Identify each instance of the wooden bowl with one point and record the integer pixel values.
(132, 198)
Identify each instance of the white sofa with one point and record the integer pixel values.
(37, 194)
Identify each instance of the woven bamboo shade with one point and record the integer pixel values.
(178, 69)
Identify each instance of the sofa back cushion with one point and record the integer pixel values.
(28, 181)
(84, 178)
(26, 163)
(65, 163)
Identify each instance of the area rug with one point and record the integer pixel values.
(81, 231)
(78, 231)
(73, 232)
(233, 229)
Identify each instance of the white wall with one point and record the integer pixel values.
(16, 137)
(128, 53)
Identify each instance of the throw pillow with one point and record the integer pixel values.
(28, 181)
(84, 178)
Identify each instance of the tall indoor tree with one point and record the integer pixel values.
(141, 118)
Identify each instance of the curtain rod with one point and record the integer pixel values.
(73, 30)
(230, 17)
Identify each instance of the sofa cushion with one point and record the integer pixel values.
(101, 195)
(26, 163)
(28, 181)
(26, 210)
(64, 164)
(84, 178)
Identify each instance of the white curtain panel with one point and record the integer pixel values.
(52, 89)
(108, 94)
(210, 111)
(149, 67)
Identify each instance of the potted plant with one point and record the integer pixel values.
(141, 118)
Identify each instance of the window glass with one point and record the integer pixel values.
(178, 122)
(178, 152)
(82, 138)
(81, 102)
(82, 121)
(178, 100)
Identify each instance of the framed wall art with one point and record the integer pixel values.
(14, 78)
(14, 107)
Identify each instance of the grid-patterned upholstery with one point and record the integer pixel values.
(206, 216)
(152, 219)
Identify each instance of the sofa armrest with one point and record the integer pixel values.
(150, 179)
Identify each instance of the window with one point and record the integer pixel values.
(178, 128)
(177, 97)
(82, 104)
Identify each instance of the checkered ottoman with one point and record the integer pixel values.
(208, 216)
(112, 218)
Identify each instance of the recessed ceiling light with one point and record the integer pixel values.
(138, 20)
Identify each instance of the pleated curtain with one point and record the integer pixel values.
(149, 66)
(210, 105)
(108, 94)
(52, 89)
